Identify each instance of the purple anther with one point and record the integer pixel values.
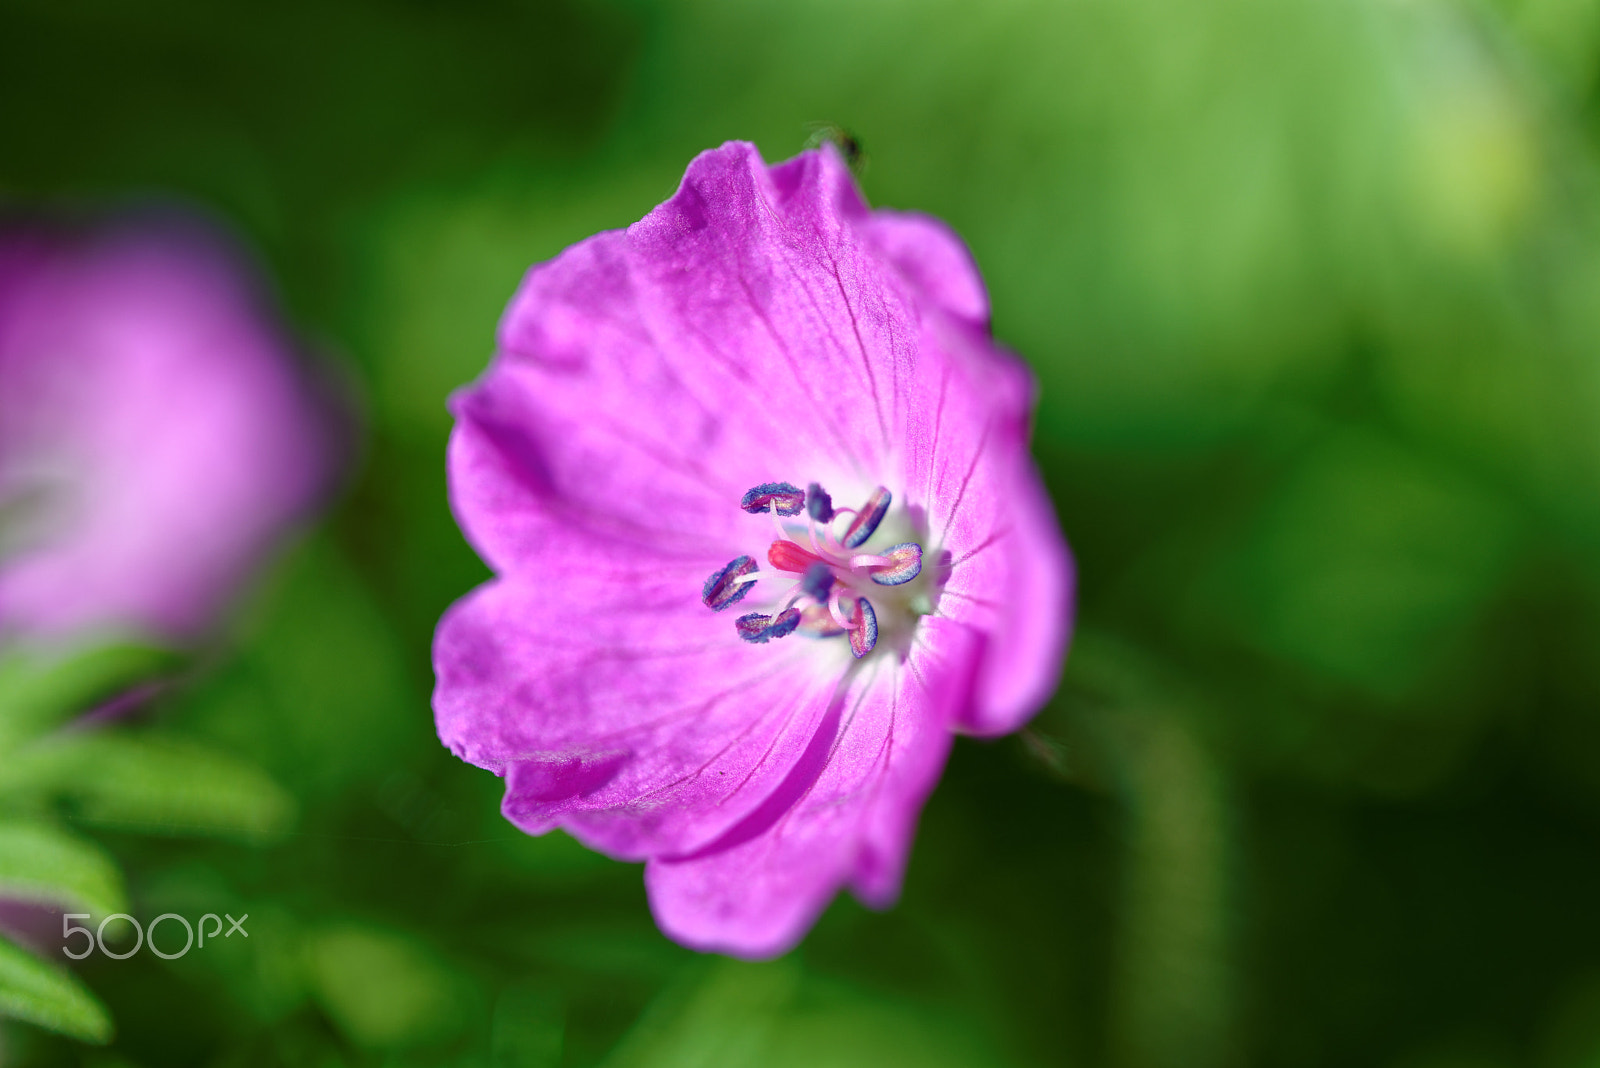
(753, 627)
(866, 521)
(819, 505)
(785, 624)
(818, 580)
(863, 628)
(789, 499)
(759, 629)
(723, 588)
(905, 564)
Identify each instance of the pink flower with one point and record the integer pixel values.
(763, 394)
(155, 434)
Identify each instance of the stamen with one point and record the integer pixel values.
(787, 556)
(837, 512)
(823, 603)
(781, 496)
(817, 622)
(866, 521)
(759, 629)
(827, 549)
(785, 624)
(727, 586)
(790, 596)
(899, 565)
(817, 582)
(819, 505)
(778, 530)
(840, 618)
(863, 628)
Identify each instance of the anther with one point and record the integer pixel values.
(823, 602)
(779, 496)
(724, 587)
(817, 582)
(819, 505)
(785, 624)
(863, 628)
(901, 564)
(760, 629)
(866, 521)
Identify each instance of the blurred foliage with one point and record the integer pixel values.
(1313, 294)
(65, 758)
(41, 994)
(773, 1014)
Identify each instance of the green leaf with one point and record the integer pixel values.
(50, 997)
(152, 785)
(39, 691)
(528, 1029)
(728, 1014)
(43, 864)
(778, 1016)
(384, 990)
(1408, 552)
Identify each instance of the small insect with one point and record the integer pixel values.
(848, 144)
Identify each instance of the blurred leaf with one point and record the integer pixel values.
(40, 690)
(266, 974)
(727, 1018)
(42, 864)
(157, 786)
(1173, 986)
(1572, 1032)
(775, 1015)
(1372, 559)
(45, 995)
(1133, 719)
(321, 697)
(1565, 34)
(527, 1029)
(383, 990)
(444, 266)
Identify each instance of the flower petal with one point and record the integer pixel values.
(993, 538)
(747, 330)
(762, 326)
(934, 258)
(636, 723)
(846, 815)
(1010, 579)
(158, 413)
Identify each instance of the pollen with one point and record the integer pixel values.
(729, 584)
(830, 576)
(781, 497)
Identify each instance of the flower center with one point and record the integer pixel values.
(826, 584)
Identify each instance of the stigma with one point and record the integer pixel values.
(826, 582)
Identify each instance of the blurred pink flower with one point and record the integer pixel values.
(156, 433)
(632, 465)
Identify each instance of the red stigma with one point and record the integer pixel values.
(787, 556)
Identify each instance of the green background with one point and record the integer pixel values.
(1312, 288)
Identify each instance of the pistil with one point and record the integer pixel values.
(829, 598)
